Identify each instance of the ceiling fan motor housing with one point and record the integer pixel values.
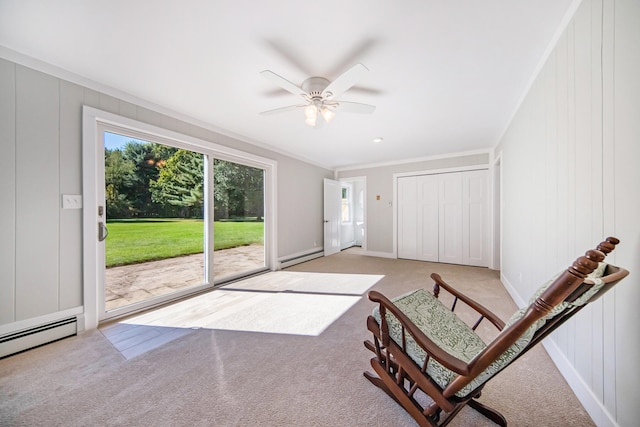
(315, 85)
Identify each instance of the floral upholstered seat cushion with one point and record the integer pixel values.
(524, 340)
(438, 323)
(454, 336)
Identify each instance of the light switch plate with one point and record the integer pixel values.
(71, 201)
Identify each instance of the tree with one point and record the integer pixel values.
(181, 182)
(119, 176)
(147, 157)
(238, 190)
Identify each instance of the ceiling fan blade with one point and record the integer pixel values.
(344, 81)
(283, 83)
(281, 109)
(355, 107)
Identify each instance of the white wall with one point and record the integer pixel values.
(570, 178)
(379, 178)
(41, 146)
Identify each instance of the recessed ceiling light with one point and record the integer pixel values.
(378, 139)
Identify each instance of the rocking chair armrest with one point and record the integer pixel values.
(613, 274)
(431, 349)
(479, 308)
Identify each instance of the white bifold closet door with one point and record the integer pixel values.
(475, 218)
(450, 218)
(443, 218)
(407, 217)
(418, 218)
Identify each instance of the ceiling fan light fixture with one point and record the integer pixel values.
(327, 114)
(310, 114)
(311, 121)
(310, 111)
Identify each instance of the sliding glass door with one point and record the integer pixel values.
(174, 220)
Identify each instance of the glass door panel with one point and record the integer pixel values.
(238, 192)
(155, 198)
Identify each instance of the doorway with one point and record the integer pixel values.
(353, 208)
(156, 221)
(175, 215)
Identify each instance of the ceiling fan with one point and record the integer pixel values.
(320, 95)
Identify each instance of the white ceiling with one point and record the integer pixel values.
(446, 76)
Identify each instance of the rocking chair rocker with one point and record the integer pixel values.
(423, 348)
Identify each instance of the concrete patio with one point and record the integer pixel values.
(133, 283)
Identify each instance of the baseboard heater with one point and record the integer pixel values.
(288, 262)
(39, 335)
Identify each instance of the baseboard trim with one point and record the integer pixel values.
(11, 328)
(512, 291)
(35, 337)
(594, 406)
(293, 259)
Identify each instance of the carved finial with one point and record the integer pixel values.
(584, 265)
(608, 245)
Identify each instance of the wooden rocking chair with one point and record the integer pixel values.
(423, 348)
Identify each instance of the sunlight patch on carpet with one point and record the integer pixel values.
(279, 302)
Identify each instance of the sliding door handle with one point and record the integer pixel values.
(103, 231)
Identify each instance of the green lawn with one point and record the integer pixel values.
(134, 241)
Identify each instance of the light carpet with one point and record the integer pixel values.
(213, 377)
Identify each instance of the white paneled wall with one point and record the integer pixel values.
(570, 178)
(41, 159)
(71, 100)
(623, 120)
(37, 196)
(7, 190)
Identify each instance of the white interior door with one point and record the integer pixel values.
(418, 217)
(332, 217)
(427, 230)
(450, 218)
(475, 222)
(407, 218)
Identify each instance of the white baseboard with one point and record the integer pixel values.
(297, 258)
(594, 406)
(512, 291)
(33, 322)
(37, 336)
